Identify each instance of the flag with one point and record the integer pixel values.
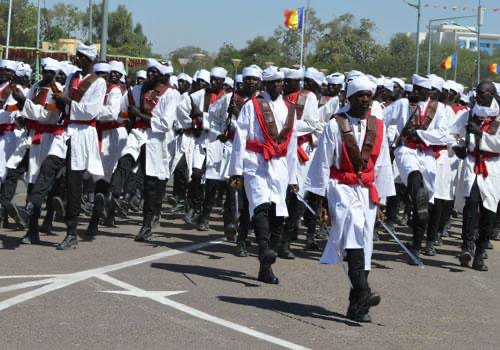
(294, 18)
(494, 68)
(454, 60)
(449, 62)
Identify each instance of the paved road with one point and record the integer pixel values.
(187, 290)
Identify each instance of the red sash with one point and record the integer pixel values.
(298, 100)
(6, 127)
(481, 156)
(347, 175)
(40, 129)
(418, 144)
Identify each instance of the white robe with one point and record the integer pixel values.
(352, 213)
(265, 181)
(38, 152)
(489, 187)
(409, 160)
(157, 137)
(327, 110)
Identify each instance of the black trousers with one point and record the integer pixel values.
(230, 214)
(295, 211)
(181, 178)
(357, 274)
(196, 189)
(436, 216)
(476, 215)
(9, 186)
(415, 183)
(245, 223)
(393, 202)
(267, 227)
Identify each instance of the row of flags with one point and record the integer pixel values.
(460, 8)
(294, 19)
(449, 62)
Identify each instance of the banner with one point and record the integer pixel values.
(294, 18)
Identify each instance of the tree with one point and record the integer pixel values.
(226, 53)
(196, 62)
(23, 23)
(261, 50)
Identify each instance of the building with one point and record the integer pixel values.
(64, 45)
(462, 36)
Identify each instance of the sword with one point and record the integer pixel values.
(413, 257)
(236, 203)
(341, 258)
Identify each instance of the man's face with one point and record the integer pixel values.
(385, 93)
(104, 75)
(114, 77)
(216, 83)
(61, 78)
(396, 93)
(250, 85)
(334, 89)
(290, 86)
(452, 95)
(153, 75)
(228, 88)
(139, 81)
(7, 74)
(443, 97)
(423, 93)
(434, 94)
(47, 77)
(311, 85)
(484, 97)
(274, 88)
(202, 84)
(82, 61)
(183, 86)
(361, 101)
(239, 88)
(164, 79)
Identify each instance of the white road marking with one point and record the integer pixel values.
(26, 276)
(161, 297)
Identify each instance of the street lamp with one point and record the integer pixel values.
(418, 7)
(236, 62)
(184, 62)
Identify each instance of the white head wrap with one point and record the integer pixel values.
(141, 74)
(88, 50)
(408, 87)
(422, 81)
(295, 74)
(398, 81)
(252, 71)
(360, 83)
(335, 78)
(314, 74)
(23, 70)
(446, 86)
(354, 73)
(164, 70)
(238, 78)
(67, 68)
(272, 73)
(460, 88)
(464, 98)
(102, 67)
(497, 87)
(9, 64)
(48, 63)
(218, 72)
(388, 84)
(118, 66)
(204, 75)
(173, 81)
(436, 82)
(229, 82)
(185, 77)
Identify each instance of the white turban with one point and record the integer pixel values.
(238, 78)
(408, 87)
(398, 81)
(164, 70)
(102, 67)
(422, 81)
(272, 73)
(464, 98)
(229, 82)
(173, 81)
(48, 63)
(436, 82)
(354, 73)
(88, 50)
(195, 75)
(314, 74)
(295, 74)
(252, 71)
(218, 72)
(67, 68)
(185, 77)
(388, 84)
(497, 87)
(23, 70)
(8, 64)
(118, 66)
(335, 78)
(460, 88)
(141, 74)
(360, 83)
(204, 75)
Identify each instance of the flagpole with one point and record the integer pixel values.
(302, 37)
(456, 65)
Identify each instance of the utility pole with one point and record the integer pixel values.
(104, 33)
(418, 7)
(37, 64)
(90, 21)
(8, 31)
(480, 19)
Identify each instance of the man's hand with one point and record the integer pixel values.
(411, 132)
(293, 188)
(473, 128)
(61, 97)
(380, 215)
(324, 218)
(461, 152)
(222, 138)
(236, 181)
(18, 96)
(133, 111)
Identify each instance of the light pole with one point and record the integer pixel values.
(8, 31)
(480, 20)
(184, 62)
(199, 57)
(418, 7)
(430, 38)
(90, 21)
(104, 33)
(37, 63)
(236, 62)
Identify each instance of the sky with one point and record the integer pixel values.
(171, 24)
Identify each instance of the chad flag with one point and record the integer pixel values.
(449, 62)
(294, 18)
(494, 68)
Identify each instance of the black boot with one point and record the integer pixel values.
(266, 274)
(156, 221)
(358, 310)
(22, 215)
(422, 199)
(46, 226)
(121, 206)
(284, 251)
(241, 249)
(145, 233)
(102, 205)
(59, 209)
(110, 218)
(310, 242)
(88, 206)
(70, 241)
(439, 240)
(429, 249)
(478, 263)
(203, 224)
(93, 227)
(193, 216)
(33, 234)
(230, 232)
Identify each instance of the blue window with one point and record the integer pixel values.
(472, 44)
(461, 43)
(485, 45)
(496, 45)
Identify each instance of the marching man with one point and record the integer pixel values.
(352, 168)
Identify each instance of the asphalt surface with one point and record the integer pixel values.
(187, 290)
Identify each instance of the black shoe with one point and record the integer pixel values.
(46, 226)
(376, 236)
(59, 209)
(357, 316)
(266, 274)
(109, 221)
(269, 257)
(100, 205)
(322, 232)
(478, 263)
(230, 232)
(438, 242)
(203, 225)
(416, 253)
(155, 222)
(241, 250)
(423, 204)
(489, 246)
(121, 207)
(93, 228)
(429, 249)
(144, 234)
(284, 251)
(358, 311)
(69, 242)
(485, 255)
(178, 208)
(31, 237)
(88, 208)
(311, 244)
(192, 217)
(21, 215)
(465, 257)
